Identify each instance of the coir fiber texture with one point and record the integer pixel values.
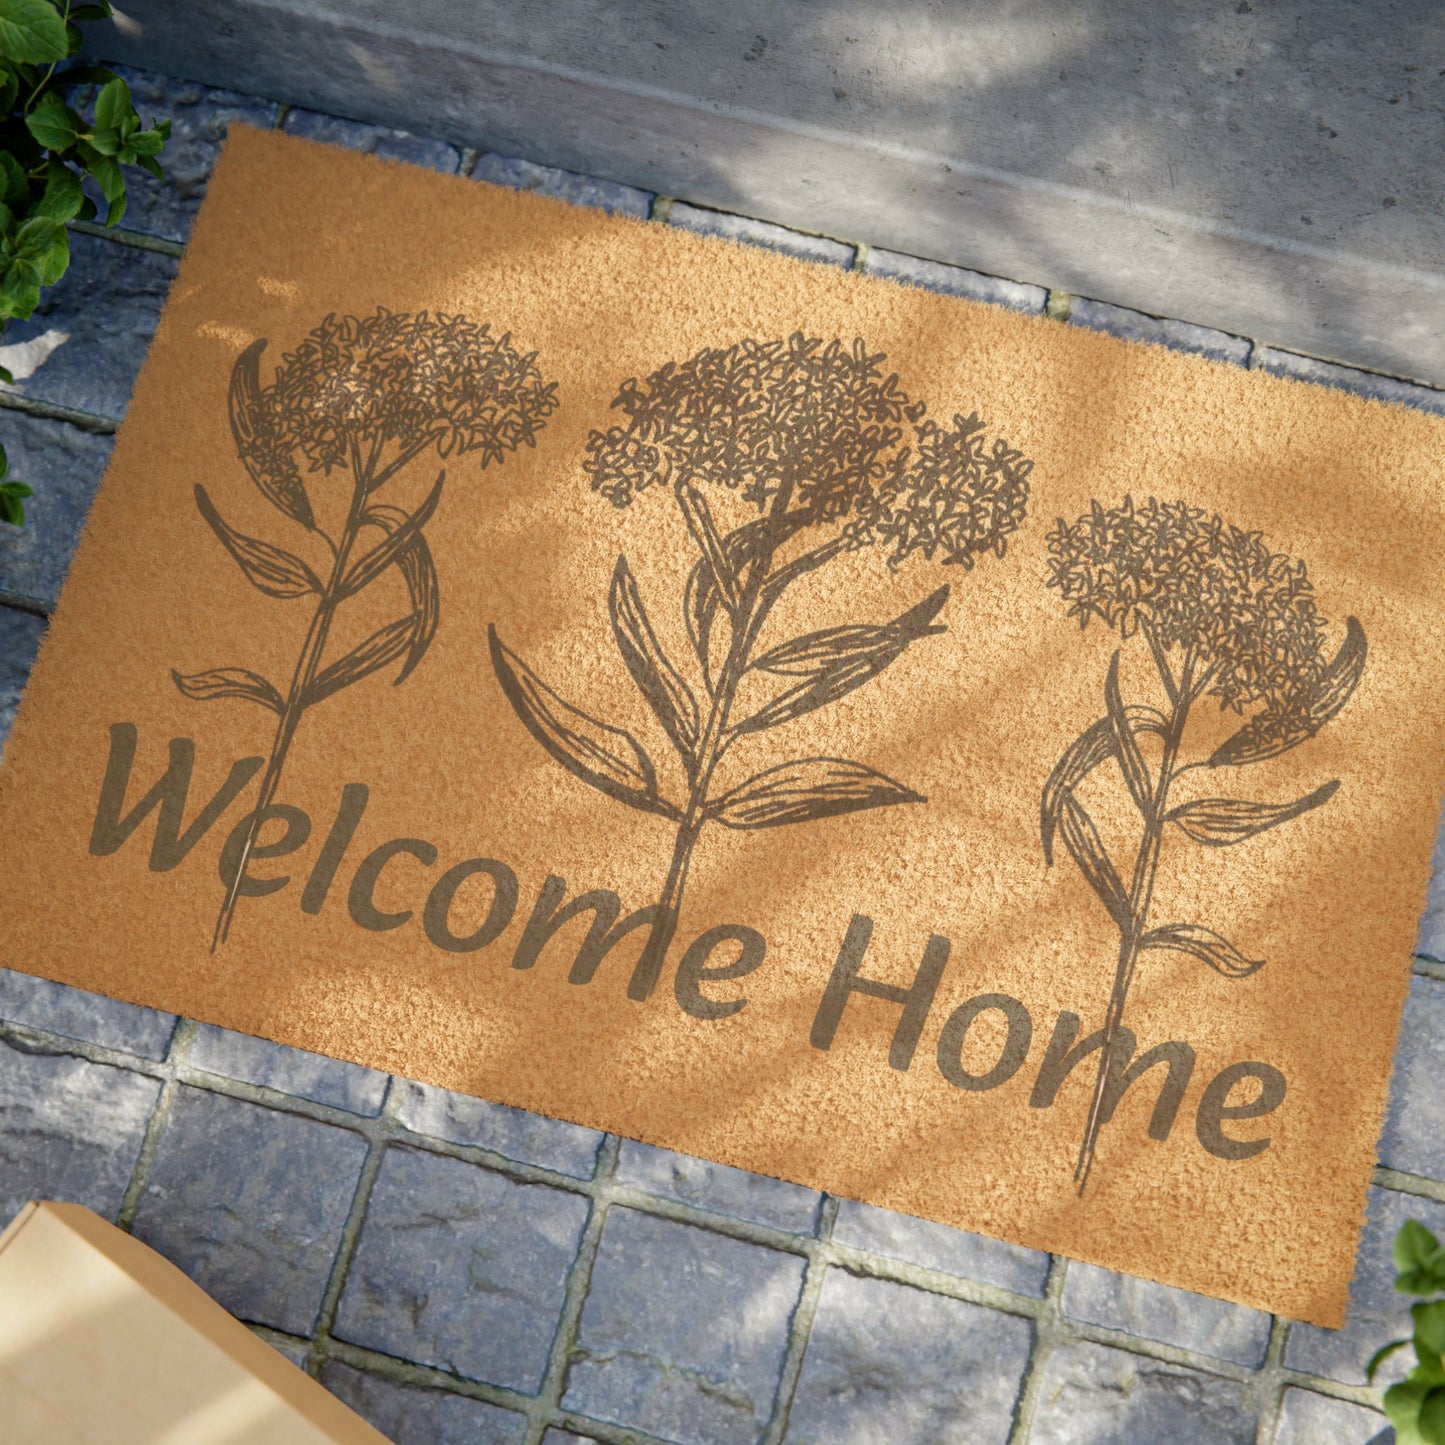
(935, 755)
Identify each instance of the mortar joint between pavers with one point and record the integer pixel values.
(1427, 967)
(124, 236)
(467, 162)
(49, 411)
(346, 1244)
(1270, 1384)
(1047, 1326)
(860, 255)
(1254, 361)
(283, 109)
(1416, 1184)
(18, 602)
(408, 1372)
(661, 209)
(547, 1405)
(1366, 1395)
(182, 1036)
(1058, 305)
(800, 1323)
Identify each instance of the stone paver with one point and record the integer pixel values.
(887, 1362)
(199, 117)
(684, 1331)
(1378, 1313)
(250, 1203)
(514, 1133)
(1093, 1395)
(1178, 335)
(64, 465)
(20, 634)
(69, 1130)
(461, 1268)
(1431, 939)
(761, 233)
(1414, 1134)
(936, 1246)
(1347, 378)
(290, 1071)
(1171, 1316)
(89, 334)
(411, 1415)
(717, 1187)
(376, 140)
(92, 1017)
(953, 280)
(521, 175)
(1306, 1418)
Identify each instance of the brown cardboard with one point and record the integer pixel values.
(103, 1342)
(538, 699)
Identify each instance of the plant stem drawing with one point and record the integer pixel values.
(820, 453)
(365, 398)
(1221, 616)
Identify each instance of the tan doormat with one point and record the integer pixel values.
(940, 756)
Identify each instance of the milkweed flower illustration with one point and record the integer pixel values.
(822, 453)
(1222, 617)
(365, 397)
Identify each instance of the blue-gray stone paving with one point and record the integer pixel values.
(250, 1202)
(650, 1352)
(63, 464)
(885, 1361)
(464, 1273)
(461, 1268)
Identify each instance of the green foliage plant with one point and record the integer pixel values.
(47, 149)
(1416, 1406)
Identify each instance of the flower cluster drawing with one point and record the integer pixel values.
(366, 397)
(827, 454)
(1223, 617)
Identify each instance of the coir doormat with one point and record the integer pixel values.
(940, 756)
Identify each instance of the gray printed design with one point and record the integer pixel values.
(827, 454)
(365, 399)
(1221, 616)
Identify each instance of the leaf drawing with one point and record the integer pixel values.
(1221, 616)
(780, 455)
(360, 399)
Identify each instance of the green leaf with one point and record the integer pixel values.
(63, 195)
(31, 30)
(7, 376)
(12, 507)
(147, 142)
(113, 105)
(1381, 1355)
(1430, 1326)
(74, 40)
(9, 89)
(87, 13)
(14, 184)
(1431, 1423)
(149, 163)
(107, 174)
(19, 290)
(1402, 1405)
(35, 236)
(4, 459)
(53, 123)
(54, 260)
(1416, 1248)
